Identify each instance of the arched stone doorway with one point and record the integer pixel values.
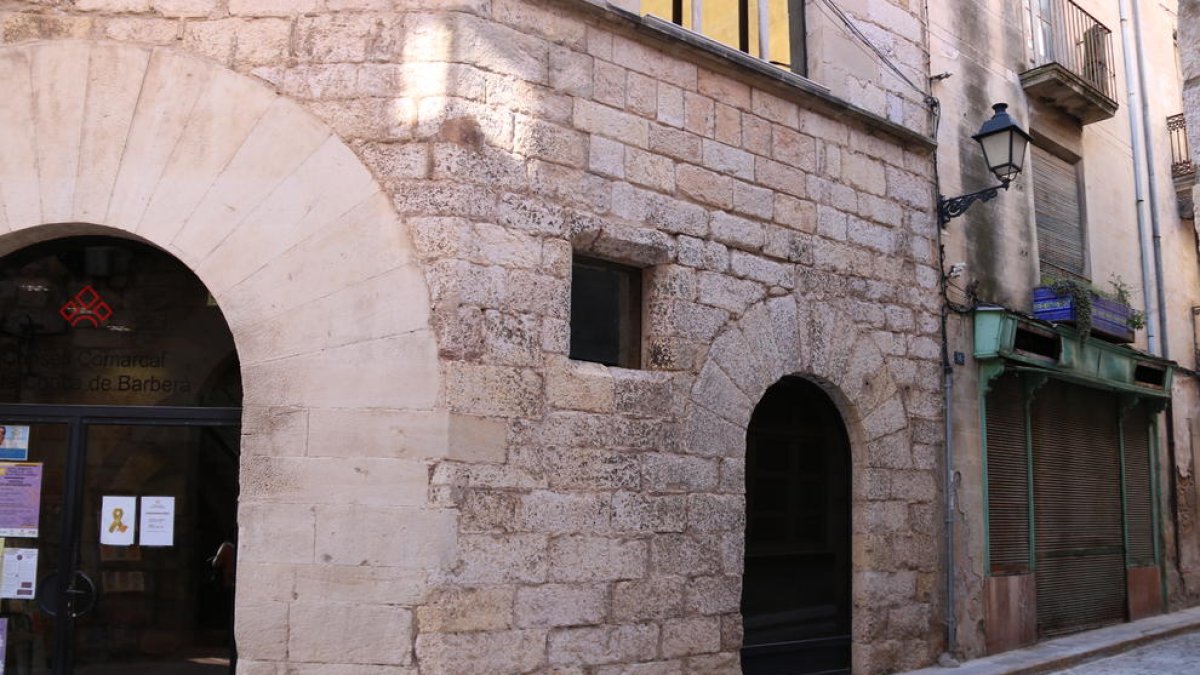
(313, 270)
(796, 598)
(120, 399)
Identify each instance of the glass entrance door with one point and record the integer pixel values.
(32, 502)
(134, 548)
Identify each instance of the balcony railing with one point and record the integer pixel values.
(1181, 153)
(1073, 64)
(1065, 34)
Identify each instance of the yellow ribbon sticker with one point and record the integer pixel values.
(117, 525)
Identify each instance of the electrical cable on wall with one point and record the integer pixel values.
(879, 53)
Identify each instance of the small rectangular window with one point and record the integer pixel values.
(606, 313)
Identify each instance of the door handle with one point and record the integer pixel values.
(81, 595)
(83, 591)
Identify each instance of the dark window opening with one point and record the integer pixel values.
(1033, 342)
(1147, 374)
(606, 313)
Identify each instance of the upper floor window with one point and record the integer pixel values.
(1059, 211)
(738, 24)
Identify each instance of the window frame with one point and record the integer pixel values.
(1045, 145)
(630, 311)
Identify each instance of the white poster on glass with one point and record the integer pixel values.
(117, 516)
(157, 523)
(19, 576)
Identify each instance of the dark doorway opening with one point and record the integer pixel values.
(796, 584)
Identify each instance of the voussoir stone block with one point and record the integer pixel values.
(350, 633)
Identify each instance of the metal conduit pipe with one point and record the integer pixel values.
(1133, 91)
(1152, 182)
(949, 487)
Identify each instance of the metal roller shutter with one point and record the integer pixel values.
(1077, 506)
(1139, 503)
(1007, 478)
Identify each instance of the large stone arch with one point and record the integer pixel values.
(812, 337)
(313, 269)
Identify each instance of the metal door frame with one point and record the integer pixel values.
(78, 418)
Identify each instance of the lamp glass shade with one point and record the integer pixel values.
(1004, 143)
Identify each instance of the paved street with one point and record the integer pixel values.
(1176, 655)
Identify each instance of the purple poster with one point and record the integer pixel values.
(20, 498)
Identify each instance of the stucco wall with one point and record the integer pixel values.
(984, 47)
(498, 507)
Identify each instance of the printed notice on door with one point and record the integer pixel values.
(117, 516)
(14, 442)
(18, 579)
(20, 498)
(157, 522)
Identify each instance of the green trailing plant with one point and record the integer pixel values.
(1081, 298)
(1121, 292)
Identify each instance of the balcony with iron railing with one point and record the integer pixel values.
(1073, 62)
(1181, 154)
(1183, 169)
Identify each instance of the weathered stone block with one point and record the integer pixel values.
(483, 653)
(649, 169)
(676, 143)
(716, 513)
(682, 637)
(616, 124)
(553, 605)
(556, 512)
(387, 537)
(728, 159)
(641, 96)
(454, 610)
(707, 187)
(730, 294)
(663, 472)
(588, 558)
(588, 646)
(714, 595)
(644, 514)
(262, 629)
(350, 633)
(686, 554)
(646, 599)
(493, 559)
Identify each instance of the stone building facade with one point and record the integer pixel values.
(1109, 136)
(384, 199)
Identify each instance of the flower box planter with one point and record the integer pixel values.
(1110, 319)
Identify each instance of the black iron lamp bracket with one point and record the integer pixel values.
(953, 207)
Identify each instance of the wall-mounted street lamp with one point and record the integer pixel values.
(1004, 143)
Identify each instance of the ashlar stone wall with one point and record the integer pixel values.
(598, 512)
